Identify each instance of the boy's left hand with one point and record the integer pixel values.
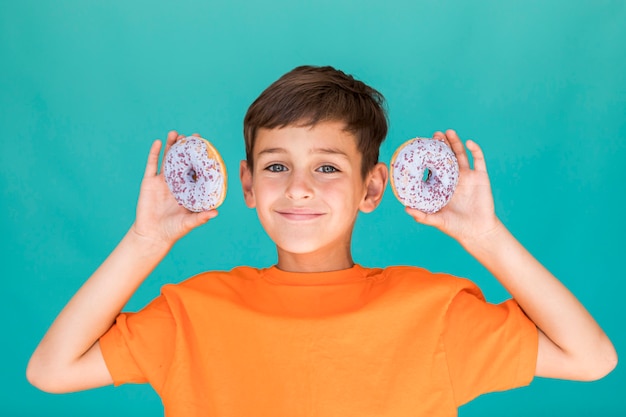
(470, 213)
(571, 344)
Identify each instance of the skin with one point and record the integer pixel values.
(68, 357)
(307, 189)
(571, 343)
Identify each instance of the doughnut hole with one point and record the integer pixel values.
(192, 175)
(427, 174)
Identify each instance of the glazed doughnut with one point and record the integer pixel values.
(195, 174)
(424, 174)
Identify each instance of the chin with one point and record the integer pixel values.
(298, 248)
(309, 241)
(302, 246)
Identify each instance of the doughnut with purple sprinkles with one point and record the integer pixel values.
(424, 174)
(195, 174)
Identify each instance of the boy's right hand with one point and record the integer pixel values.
(69, 358)
(159, 217)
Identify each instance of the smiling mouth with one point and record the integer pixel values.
(299, 216)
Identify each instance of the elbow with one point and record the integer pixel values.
(35, 375)
(591, 363)
(599, 364)
(41, 377)
(604, 364)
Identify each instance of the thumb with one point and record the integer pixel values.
(424, 218)
(204, 216)
(198, 219)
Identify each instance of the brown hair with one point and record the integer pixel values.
(307, 95)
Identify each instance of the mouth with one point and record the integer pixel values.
(299, 215)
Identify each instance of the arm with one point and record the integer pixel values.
(68, 357)
(571, 344)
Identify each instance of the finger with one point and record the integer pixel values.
(172, 137)
(423, 218)
(199, 218)
(418, 216)
(196, 135)
(458, 149)
(441, 136)
(477, 156)
(152, 165)
(205, 216)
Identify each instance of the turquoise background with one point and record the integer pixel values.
(86, 86)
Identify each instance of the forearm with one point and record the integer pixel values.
(580, 342)
(92, 310)
(571, 344)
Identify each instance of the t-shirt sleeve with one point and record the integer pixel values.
(489, 347)
(138, 348)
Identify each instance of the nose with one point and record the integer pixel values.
(299, 186)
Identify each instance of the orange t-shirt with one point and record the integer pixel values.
(399, 341)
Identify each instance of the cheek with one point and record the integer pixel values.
(344, 194)
(265, 191)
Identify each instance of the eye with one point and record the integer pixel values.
(276, 168)
(327, 169)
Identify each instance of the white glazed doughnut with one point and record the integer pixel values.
(424, 174)
(195, 174)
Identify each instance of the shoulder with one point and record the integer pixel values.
(213, 282)
(240, 273)
(433, 292)
(424, 279)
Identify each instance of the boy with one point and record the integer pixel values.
(317, 334)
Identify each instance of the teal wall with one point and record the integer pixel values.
(85, 86)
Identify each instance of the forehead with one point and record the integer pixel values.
(323, 137)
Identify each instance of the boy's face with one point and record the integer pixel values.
(307, 188)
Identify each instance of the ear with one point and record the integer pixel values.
(376, 183)
(245, 175)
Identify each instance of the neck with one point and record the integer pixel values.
(321, 261)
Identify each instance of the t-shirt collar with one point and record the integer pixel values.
(345, 276)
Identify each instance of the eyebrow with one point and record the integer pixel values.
(324, 151)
